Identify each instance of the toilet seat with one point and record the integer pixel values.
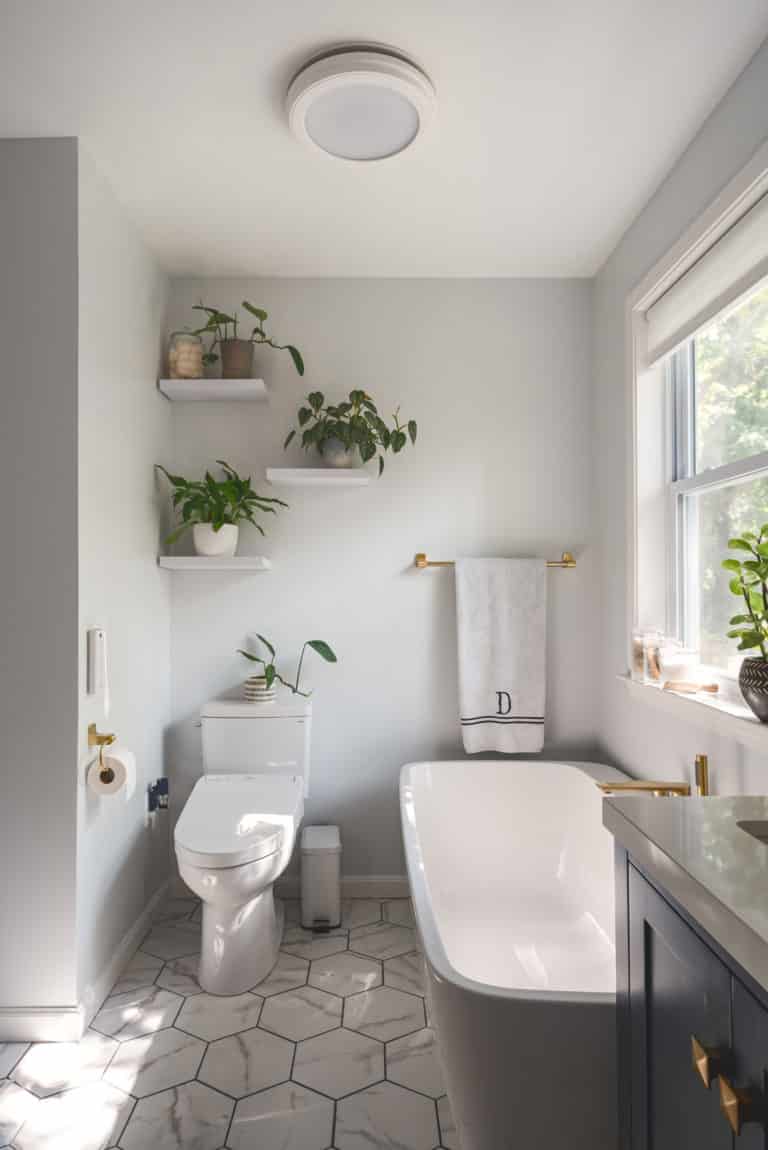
(230, 820)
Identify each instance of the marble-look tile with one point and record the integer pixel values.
(398, 910)
(173, 940)
(448, 1136)
(212, 1016)
(180, 976)
(406, 972)
(386, 1116)
(412, 1061)
(174, 909)
(191, 1117)
(89, 1118)
(382, 940)
(155, 1062)
(339, 1062)
(360, 912)
(301, 1013)
(10, 1053)
(247, 1062)
(305, 944)
(50, 1067)
(345, 973)
(384, 1013)
(16, 1106)
(142, 970)
(287, 1117)
(288, 973)
(137, 1012)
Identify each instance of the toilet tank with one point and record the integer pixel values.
(257, 738)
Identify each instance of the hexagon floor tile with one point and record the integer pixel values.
(50, 1067)
(412, 1061)
(305, 944)
(345, 973)
(155, 1062)
(360, 911)
(339, 1062)
(247, 1062)
(173, 940)
(386, 1115)
(138, 1012)
(174, 909)
(16, 1106)
(10, 1054)
(384, 1013)
(448, 1136)
(406, 972)
(212, 1016)
(89, 1118)
(382, 940)
(191, 1116)
(398, 910)
(180, 976)
(301, 1013)
(142, 970)
(287, 1117)
(289, 973)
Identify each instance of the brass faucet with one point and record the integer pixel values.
(645, 787)
(702, 775)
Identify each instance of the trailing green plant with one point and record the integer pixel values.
(216, 501)
(220, 325)
(270, 670)
(749, 581)
(355, 422)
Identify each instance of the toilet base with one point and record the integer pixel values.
(240, 944)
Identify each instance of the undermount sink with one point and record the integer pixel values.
(758, 828)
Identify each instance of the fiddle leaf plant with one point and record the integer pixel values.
(270, 670)
(220, 325)
(217, 501)
(749, 581)
(355, 422)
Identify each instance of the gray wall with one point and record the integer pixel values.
(38, 571)
(497, 374)
(648, 742)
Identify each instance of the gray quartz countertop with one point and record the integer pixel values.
(696, 849)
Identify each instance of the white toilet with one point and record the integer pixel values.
(237, 830)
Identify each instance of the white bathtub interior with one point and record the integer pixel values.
(518, 873)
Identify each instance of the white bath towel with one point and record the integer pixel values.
(501, 607)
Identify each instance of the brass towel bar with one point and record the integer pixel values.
(421, 561)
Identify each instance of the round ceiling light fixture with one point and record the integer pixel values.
(360, 103)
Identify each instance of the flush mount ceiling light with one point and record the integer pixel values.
(360, 103)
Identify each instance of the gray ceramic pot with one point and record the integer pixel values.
(335, 454)
(236, 358)
(753, 680)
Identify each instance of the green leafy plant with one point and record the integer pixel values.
(749, 581)
(355, 422)
(216, 501)
(220, 325)
(270, 670)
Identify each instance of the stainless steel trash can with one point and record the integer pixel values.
(320, 878)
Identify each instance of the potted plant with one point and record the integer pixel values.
(213, 508)
(260, 688)
(237, 353)
(350, 432)
(749, 581)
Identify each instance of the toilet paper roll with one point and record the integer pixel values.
(117, 772)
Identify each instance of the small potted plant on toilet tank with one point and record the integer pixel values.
(261, 688)
(214, 508)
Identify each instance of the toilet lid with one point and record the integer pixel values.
(229, 820)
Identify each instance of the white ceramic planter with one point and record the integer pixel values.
(209, 542)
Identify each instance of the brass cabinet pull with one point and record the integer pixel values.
(706, 1061)
(739, 1106)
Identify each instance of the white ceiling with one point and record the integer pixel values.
(556, 121)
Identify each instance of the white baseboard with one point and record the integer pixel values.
(354, 886)
(41, 1023)
(94, 995)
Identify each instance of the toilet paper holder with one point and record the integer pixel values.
(101, 740)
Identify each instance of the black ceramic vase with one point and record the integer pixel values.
(753, 680)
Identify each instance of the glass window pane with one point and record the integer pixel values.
(712, 517)
(731, 390)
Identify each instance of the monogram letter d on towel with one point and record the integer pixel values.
(505, 702)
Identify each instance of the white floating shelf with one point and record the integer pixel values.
(318, 477)
(214, 563)
(213, 390)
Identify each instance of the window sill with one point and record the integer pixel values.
(733, 720)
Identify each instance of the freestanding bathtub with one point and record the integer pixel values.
(511, 876)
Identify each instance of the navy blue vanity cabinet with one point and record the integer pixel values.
(748, 1070)
(677, 989)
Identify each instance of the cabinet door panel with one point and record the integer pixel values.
(750, 1062)
(678, 988)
